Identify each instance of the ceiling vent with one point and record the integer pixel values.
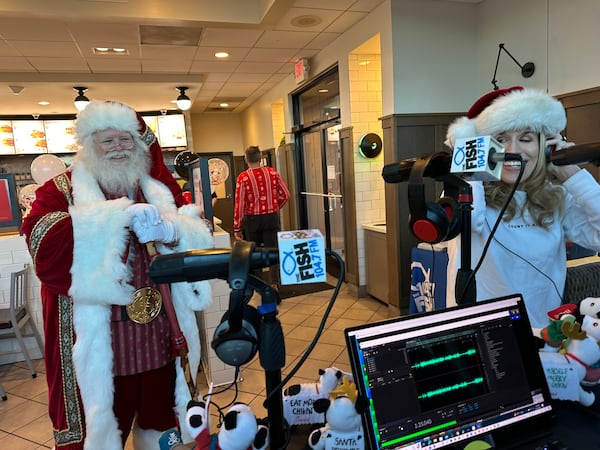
(159, 35)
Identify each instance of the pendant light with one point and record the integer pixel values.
(183, 101)
(81, 101)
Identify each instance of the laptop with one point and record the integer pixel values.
(443, 378)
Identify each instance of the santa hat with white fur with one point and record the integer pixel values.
(100, 115)
(511, 109)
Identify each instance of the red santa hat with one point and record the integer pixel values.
(511, 109)
(102, 115)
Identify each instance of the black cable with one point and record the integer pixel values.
(492, 233)
(312, 345)
(528, 263)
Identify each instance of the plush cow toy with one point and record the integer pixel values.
(298, 399)
(239, 430)
(342, 410)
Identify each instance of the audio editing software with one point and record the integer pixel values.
(436, 380)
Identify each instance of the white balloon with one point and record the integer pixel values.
(45, 167)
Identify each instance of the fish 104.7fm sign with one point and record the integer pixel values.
(301, 257)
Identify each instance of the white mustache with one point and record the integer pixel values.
(119, 154)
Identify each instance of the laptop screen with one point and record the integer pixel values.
(438, 378)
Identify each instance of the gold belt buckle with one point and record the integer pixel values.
(145, 306)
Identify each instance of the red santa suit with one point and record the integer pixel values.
(78, 241)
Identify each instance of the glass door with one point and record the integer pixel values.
(323, 185)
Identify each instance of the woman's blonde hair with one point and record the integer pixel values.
(543, 197)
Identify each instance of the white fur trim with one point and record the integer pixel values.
(100, 235)
(100, 115)
(527, 109)
(93, 361)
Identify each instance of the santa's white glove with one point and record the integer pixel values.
(144, 213)
(148, 225)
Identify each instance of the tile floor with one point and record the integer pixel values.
(25, 426)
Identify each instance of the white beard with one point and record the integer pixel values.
(122, 178)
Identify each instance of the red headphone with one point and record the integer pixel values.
(431, 222)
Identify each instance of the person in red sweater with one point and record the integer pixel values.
(260, 193)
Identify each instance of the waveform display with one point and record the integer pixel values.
(447, 372)
(446, 389)
(442, 359)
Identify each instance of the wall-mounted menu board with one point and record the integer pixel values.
(7, 142)
(30, 136)
(60, 136)
(169, 130)
(21, 137)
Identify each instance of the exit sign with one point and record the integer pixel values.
(301, 70)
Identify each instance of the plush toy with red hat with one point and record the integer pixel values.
(553, 334)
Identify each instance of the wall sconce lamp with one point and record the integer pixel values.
(183, 101)
(81, 101)
(527, 69)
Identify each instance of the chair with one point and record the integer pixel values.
(14, 319)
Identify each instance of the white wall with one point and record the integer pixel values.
(434, 55)
(217, 132)
(573, 37)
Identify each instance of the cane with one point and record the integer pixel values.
(178, 339)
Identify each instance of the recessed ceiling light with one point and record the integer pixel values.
(323, 91)
(43, 103)
(221, 54)
(110, 51)
(223, 105)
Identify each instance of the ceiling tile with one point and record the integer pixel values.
(214, 66)
(329, 4)
(104, 33)
(168, 52)
(285, 39)
(322, 40)
(58, 64)
(255, 67)
(47, 48)
(248, 77)
(271, 54)
(7, 50)
(12, 64)
(26, 29)
(230, 37)
(99, 65)
(345, 21)
(365, 5)
(165, 66)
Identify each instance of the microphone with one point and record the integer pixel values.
(399, 172)
(577, 154)
(198, 265)
(476, 158)
(301, 252)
